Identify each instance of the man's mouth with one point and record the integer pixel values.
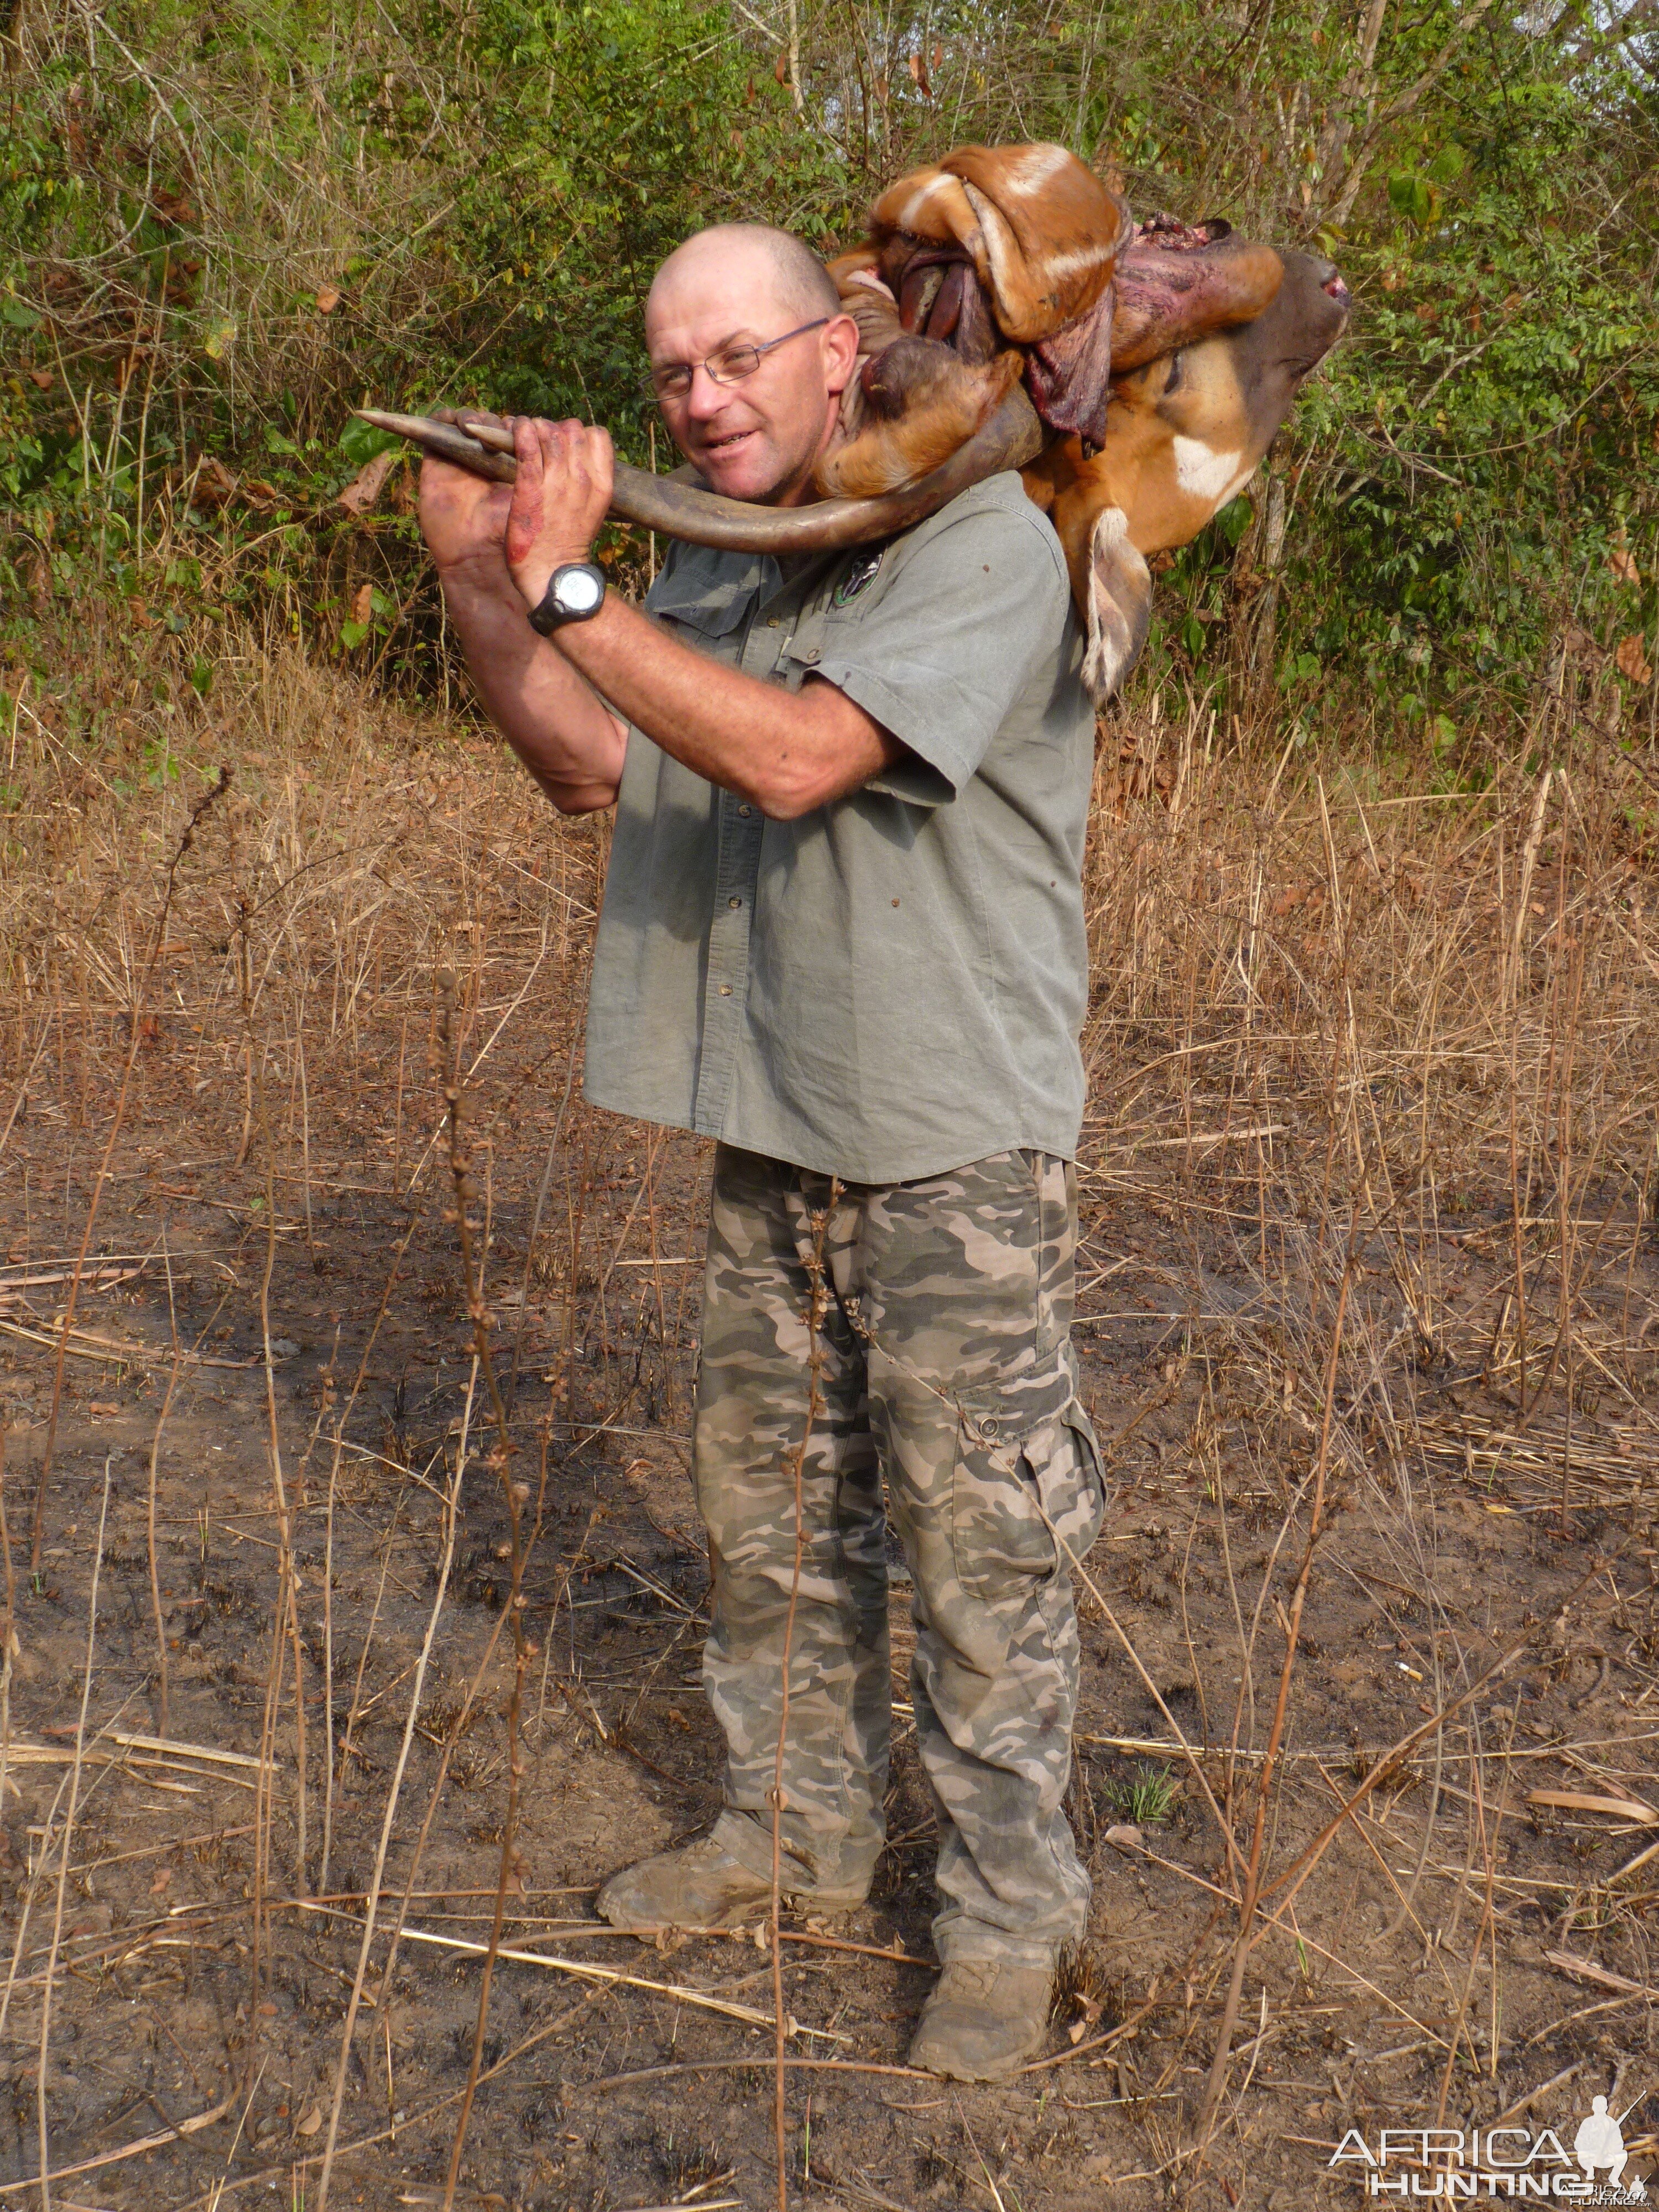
(729, 442)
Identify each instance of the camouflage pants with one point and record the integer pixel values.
(945, 1364)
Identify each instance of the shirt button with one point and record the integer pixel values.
(734, 901)
(771, 622)
(747, 810)
(726, 990)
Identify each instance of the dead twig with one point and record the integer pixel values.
(191, 2127)
(731, 2065)
(1601, 1978)
(700, 2000)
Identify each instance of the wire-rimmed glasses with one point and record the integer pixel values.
(731, 364)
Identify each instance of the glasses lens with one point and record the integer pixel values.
(734, 364)
(670, 383)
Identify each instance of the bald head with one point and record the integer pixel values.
(781, 270)
(747, 294)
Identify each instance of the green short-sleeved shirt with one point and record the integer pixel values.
(893, 984)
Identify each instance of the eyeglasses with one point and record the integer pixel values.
(731, 365)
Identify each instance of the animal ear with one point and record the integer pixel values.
(910, 408)
(1119, 605)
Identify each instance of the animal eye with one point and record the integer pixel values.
(1172, 381)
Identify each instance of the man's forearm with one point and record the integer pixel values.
(562, 732)
(552, 699)
(787, 751)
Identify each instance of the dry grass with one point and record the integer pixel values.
(1366, 1182)
(1402, 1032)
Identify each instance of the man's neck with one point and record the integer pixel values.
(803, 490)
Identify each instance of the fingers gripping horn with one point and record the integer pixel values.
(1010, 436)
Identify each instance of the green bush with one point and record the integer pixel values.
(220, 228)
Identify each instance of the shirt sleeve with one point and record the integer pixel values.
(940, 657)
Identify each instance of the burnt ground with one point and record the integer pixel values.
(183, 1905)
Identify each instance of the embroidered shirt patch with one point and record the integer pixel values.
(862, 571)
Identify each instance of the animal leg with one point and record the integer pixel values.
(1117, 604)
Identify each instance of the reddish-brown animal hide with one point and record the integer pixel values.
(998, 247)
(1183, 434)
(1041, 233)
(912, 401)
(1161, 359)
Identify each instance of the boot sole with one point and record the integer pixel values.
(962, 2073)
(742, 1915)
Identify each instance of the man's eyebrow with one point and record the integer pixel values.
(742, 335)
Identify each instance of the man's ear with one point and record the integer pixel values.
(1120, 608)
(840, 352)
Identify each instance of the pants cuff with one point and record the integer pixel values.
(836, 1869)
(958, 1936)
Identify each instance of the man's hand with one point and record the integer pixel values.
(464, 520)
(564, 704)
(561, 498)
(565, 735)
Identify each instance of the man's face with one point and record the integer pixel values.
(759, 439)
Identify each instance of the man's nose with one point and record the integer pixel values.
(706, 398)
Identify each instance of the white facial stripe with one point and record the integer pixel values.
(913, 206)
(1083, 256)
(1203, 473)
(1042, 163)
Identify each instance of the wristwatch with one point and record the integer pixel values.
(574, 593)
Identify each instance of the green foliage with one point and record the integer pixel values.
(1472, 478)
(1148, 1797)
(222, 227)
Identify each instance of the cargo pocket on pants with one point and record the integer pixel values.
(1016, 1509)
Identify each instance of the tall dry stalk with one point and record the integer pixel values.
(65, 1839)
(389, 1813)
(157, 1615)
(9, 1645)
(1215, 2081)
(515, 1496)
(816, 1306)
(158, 933)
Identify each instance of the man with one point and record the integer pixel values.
(842, 934)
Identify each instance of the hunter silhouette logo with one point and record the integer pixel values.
(1600, 2142)
(1500, 2164)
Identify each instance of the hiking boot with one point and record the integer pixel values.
(703, 1886)
(985, 2017)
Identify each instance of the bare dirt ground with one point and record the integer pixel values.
(1372, 1657)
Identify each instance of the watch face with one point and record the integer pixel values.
(580, 592)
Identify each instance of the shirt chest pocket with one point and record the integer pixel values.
(706, 608)
(801, 648)
(831, 614)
